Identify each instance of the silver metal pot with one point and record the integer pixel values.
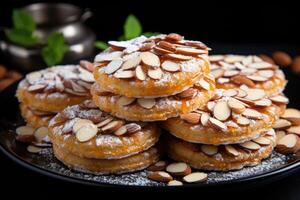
(58, 17)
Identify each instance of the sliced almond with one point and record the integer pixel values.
(241, 79)
(262, 141)
(178, 57)
(158, 166)
(25, 130)
(230, 93)
(160, 176)
(279, 135)
(282, 124)
(243, 121)
(33, 77)
(155, 74)
(133, 127)
(179, 169)
(112, 126)
(125, 101)
(41, 133)
(195, 177)
(36, 88)
(87, 77)
(124, 74)
(167, 45)
(231, 150)
(108, 56)
(210, 105)
(121, 131)
(218, 73)
(161, 51)
(250, 145)
(139, 73)
(192, 118)
(150, 59)
(293, 115)
(217, 124)
(188, 94)
(113, 66)
(147, 46)
(190, 51)
(87, 65)
(279, 99)
(221, 111)
(174, 37)
(33, 149)
(255, 94)
(248, 71)
(266, 73)
(241, 93)
(80, 123)
(263, 103)
(230, 73)
(260, 65)
(247, 60)
(131, 63)
(77, 88)
(236, 106)
(216, 58)
(170, 66)
(233, 58)
(104, 122)
(146, 103)
(203, 84)
(257, 78)
(252, 114)
(86, 132)
(209, 150)
(175, 183)
(204, 119)
(294, 130)
(290, 143)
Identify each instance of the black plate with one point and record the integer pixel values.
(273, 168)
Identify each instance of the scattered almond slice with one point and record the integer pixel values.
(188, 94)
(282, 124)
(179, 169)
(124, 74)
(25, 130)
(279, 99)
(221, 111)
(80, 123)
(160, 176)
(257, 78)
(231, 150)
(175, 183)
(279, 135)
(36, 88)
(209, 150)
(236, 106)
(125, 101)
(192, 118)
(155, 74)
(86, 132)
(263, 103)
(133, 127)
(289, 143)
(293, 115)
(195, 177)
(230, 93)
(104, 122)
(217, 124)
(241, 79)
(139, 73)
(203, 84)
(294, 130)
(112, 126)
(150, 59)
(131, 63)
(252, 114)
(146, 103)
(255, 94)
(178, 57)
(33, 149)
(190, 51)
(243, 121)
(262, 141)
(41, 133)
(158, 166)
(204, 119)
(121, 131)
(250, 145)
(216, 58)
(170, 66)
(218, 73)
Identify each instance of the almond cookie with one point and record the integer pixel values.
(88, 132)
(154, 109)
(113, 166)
(55, 88)
(222, 157)
(158, 66)
(231, 71)
(232, 116)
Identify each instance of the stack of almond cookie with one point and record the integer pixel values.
(234, 129)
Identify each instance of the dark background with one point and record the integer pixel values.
(235, 27)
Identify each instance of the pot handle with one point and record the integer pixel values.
(87, 13)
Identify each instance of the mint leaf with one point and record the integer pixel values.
(55, 50)
(22, 20)
(149, 34)
(101, 45)
(21, 37)
(132, 27)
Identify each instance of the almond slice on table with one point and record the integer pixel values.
(179, 169)
(133, 127)
(263, 103)
(112, 126)
(279, 99)
(250, 145)
(203, 84)
(195, 177)
(33, 149)
(241, 79)
(204, 119)
(178, 57)
(139, 73)
(192, 118)
(190, 51)
(294, 129)
(221, 111)
(262, 141)
(25, 130)
(150, 59)
(282, 124)
(155, 74)
(289, 143)
(41, 133)
(174, 37)
(217, 124)
(257, 78)
(236, 106)
(104, 122)
(252, 114)
(121, 131)
(279, 135)
(266, 73)
(131, 63)
(80, 123)
(167, 45)
(108, 56)
(175, 183)
(170, 66)
(215, 58)
(146, 103)
(230, 93)
(36, 88)
(209, 150)
(158, 166)
(255, 94)
(218, 73)
(125, 101)
(231, 150)
(113, 66)
(243, 121)
(124, 74)
(160, 176)
(86, 132)
(188, 94)
(293, 115)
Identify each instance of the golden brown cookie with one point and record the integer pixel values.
(85, 131)
(154, 109)
(231, 71)
(232, 116)
(223, 157)
(158, 66)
